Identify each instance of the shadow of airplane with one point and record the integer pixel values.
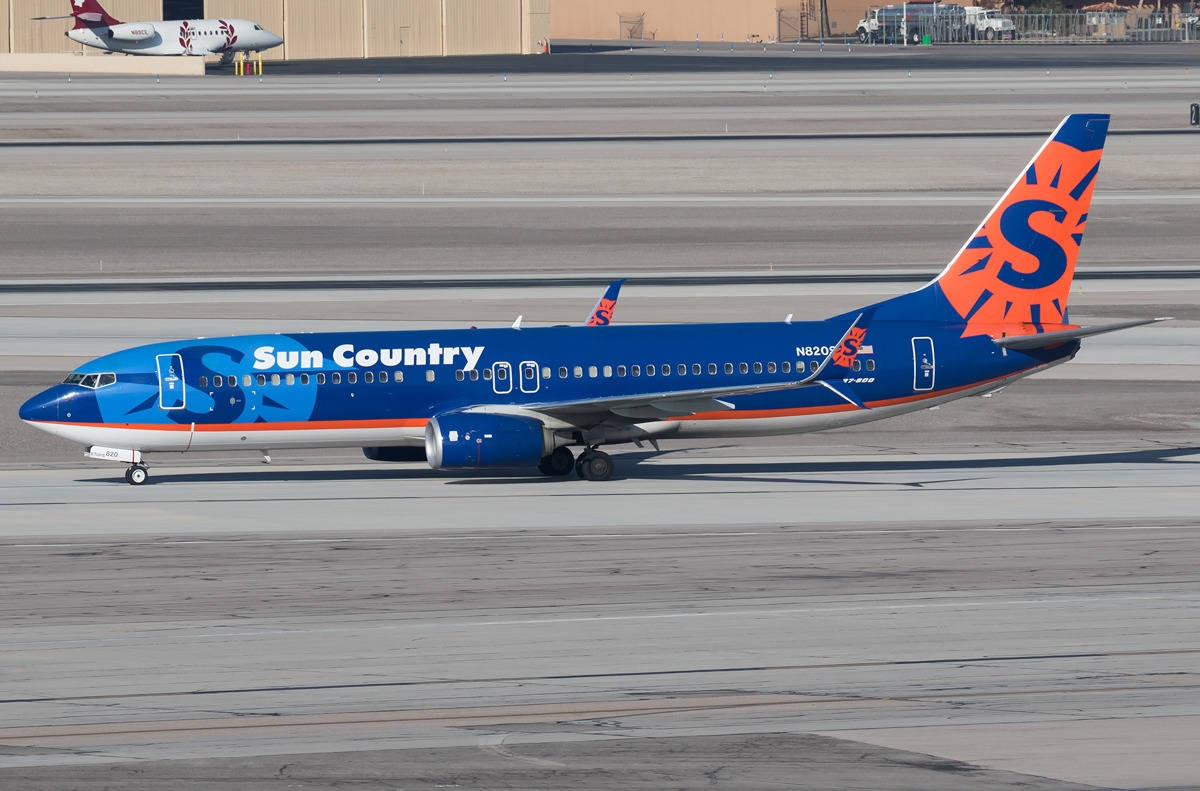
(830, 470)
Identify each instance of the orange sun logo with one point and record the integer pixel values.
(1014, 276)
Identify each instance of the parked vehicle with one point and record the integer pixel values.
(988, 24)
(912, 22)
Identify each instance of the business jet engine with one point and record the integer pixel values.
(131, 31)
(476, 440)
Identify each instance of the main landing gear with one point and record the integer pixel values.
(137, 475)
(592, 464)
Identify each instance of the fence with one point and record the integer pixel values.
(1085, 26)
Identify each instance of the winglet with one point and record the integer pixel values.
(601, 315)
(841, 356)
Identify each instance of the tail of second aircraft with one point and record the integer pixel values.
(89, 13)
(1013, 275)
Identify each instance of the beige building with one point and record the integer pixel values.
(321, 28)
(705, 20)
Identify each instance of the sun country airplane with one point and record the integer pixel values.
(95, 27)
(522, 398)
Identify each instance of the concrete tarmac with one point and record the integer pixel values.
(995, 594)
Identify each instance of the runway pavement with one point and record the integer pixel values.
(996, 594)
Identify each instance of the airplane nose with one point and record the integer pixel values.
(42, 407)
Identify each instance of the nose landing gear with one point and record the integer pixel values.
(137, 475)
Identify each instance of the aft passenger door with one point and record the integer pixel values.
(924, 365)
(170, 382)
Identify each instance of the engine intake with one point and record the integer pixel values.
(471, 440)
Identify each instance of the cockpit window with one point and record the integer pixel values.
(91, 381)
(258, 27)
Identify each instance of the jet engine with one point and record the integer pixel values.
(131, 31)
(395, 453)
(462, 440)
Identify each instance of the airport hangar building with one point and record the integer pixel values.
(315, 29)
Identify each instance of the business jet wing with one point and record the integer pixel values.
(601, 315)
(1063, 336)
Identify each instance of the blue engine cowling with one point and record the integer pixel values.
(477, 440)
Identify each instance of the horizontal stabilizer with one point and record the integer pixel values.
(1063, 336)
(44, 18)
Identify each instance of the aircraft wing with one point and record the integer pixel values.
(1063, 336)
(678, 403)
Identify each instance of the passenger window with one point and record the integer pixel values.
(607, 371)
(203, 381)
(870, 365)
(592, 372)
(290, 379)
(397, 376)
(856, 365)
(665, 370)
(771, 368)
(304, 379)
(487, 374)
(262, 380)
(787, 367)
(562, 372)
(681, 369)
(697, 369)
(218, 381)
(275, 379)
(501, 374)
(246, 380)
(352, 377)
(650, 370)
(369, 377)
(383, 377)
(335, 378)
(728, 368)
(546, 372)
(758, 368)
(474, 375)
(813, 365)
(459, 375)
(743, 368)
(636, 370)
(579, 372)
(621, 370)
(430, 374)
(712, 369)
(320, 379)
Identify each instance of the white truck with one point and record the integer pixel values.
(988, 24)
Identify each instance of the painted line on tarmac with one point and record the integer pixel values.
(645, 674)
(904, 198)
(531, 534)
(551, 139)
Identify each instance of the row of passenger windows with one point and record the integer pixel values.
(501, 374)
(351, 377)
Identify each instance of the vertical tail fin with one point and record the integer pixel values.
(1013, 276)
(89, 13)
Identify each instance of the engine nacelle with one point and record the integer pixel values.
(477, 440)
(131, 31)
(395, 453)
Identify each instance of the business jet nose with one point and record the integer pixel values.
(42, 408)
(273, 40)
